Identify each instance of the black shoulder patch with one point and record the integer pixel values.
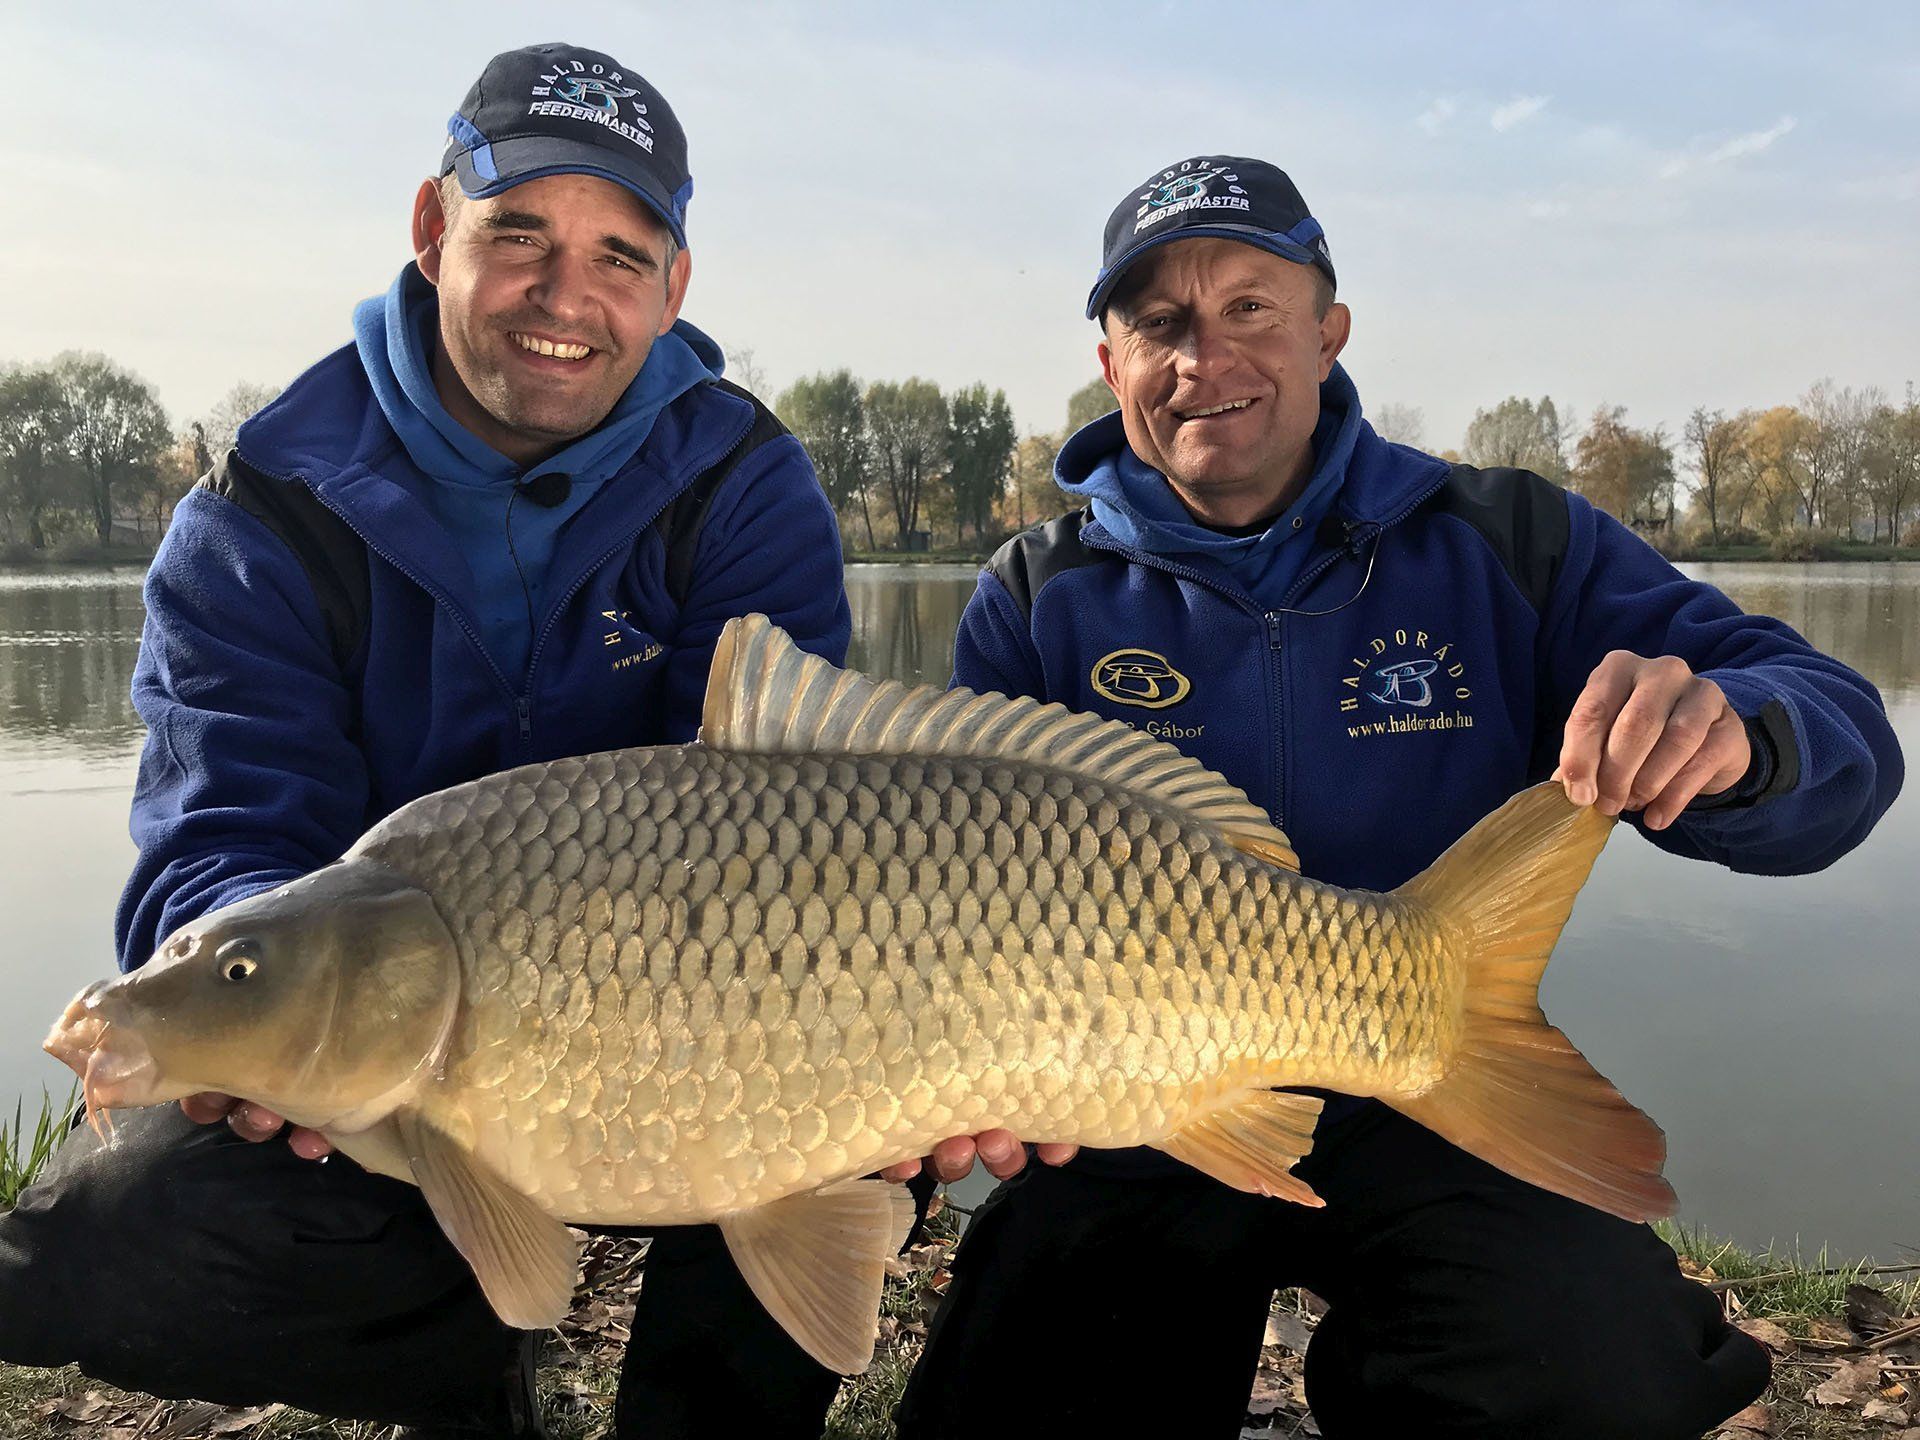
(1521, 515)
(1030, 559)
(334, 557)
(680, 523)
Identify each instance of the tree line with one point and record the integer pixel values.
(88, 456)
(923, 459)
(1840, 463)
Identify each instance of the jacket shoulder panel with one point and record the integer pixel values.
(332, 555)
(1522, 517)
(1027, 562)
(681, 522)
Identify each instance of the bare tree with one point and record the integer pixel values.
(220, 426)
(907, 429)
(1715, 444)
(1401, 424)
(1519, 432)
(744, 372)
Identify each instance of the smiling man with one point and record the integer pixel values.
(1379, 647)
(506, 524)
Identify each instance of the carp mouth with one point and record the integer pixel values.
(116, 1068)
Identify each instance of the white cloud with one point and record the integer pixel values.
(1548, 209)
(1437, 114)
(1751, 143)
(1518, 111)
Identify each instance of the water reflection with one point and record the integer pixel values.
(1866, 614)
(904, 619)
(67, 646)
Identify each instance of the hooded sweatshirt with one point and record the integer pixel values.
(507, 539)
(1136, 505)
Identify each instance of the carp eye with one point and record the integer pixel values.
(236, 960)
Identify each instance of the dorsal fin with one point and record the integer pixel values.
(766, 695)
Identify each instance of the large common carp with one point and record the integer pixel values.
(722, 981)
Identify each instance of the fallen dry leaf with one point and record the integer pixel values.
(1269, 1396)
(1288, 1332)
(235, 1421)
(1825, 1327)
(188, 1417)
(1754, 1420)
(1884, 1413)
(1854, 1383)
(1868, 1313)
(1768, 1334)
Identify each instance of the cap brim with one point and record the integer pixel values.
(514, 162)
(1267, 240)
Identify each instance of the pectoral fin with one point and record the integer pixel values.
(816, 1261)
(1253, 1144)
(524, 1258)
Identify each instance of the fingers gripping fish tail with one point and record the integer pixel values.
(1517, 1094)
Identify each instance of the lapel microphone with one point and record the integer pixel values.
(546, 490)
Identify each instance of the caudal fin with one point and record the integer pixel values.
(1516, 1093)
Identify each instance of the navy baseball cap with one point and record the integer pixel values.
(1228, 196)
(561, 110)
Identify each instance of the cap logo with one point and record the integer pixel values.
(578, 91)
(1191, 187)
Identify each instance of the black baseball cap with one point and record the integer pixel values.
(561, 110)
(1228, 196)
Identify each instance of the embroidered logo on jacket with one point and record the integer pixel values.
(1404, 682)
(1139, 677)
(577, 91)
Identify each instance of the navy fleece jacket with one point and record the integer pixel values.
(266, 758)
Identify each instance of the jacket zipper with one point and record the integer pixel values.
(1275, 687)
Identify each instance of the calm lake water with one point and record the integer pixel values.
(1772, 1026)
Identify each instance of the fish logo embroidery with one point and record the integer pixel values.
(1140, 677)
(1188, 188)
(1405, 681)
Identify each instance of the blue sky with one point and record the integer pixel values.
(1654, 206)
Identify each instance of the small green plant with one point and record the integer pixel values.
(23, 1156)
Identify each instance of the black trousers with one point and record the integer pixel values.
(1463, 1303)
(188, 1263)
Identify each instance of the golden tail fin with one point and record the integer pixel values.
(1516, 1093)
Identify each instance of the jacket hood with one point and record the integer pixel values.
(1355, 473)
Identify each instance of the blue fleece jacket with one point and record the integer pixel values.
(1421, 669)
(507, 540)
(1135, 505)
(266, 757)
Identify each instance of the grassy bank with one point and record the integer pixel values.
(1844, 1337)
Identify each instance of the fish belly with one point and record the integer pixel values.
(696, 981)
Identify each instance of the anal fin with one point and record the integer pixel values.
(1253, 1144)
(817, 1261)
(524, 1258)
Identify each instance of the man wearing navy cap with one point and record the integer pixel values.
(506, 524)
(1380, 647)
